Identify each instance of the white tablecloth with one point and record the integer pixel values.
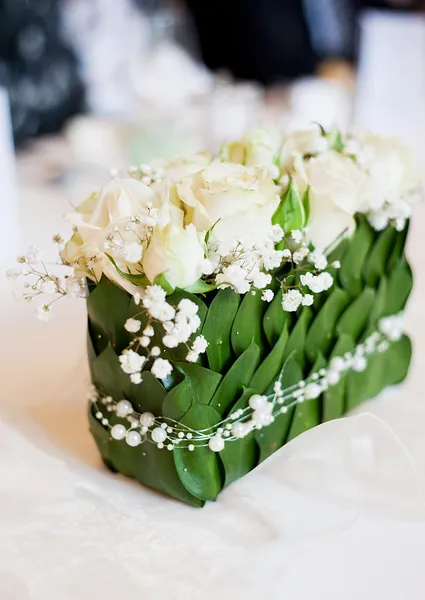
(338, 513)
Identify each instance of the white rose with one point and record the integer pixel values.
(240, 201)
(338, 189)
(177, 252)
(107, 214)
(389, 163)
(300, 143)
(178, 168)
(258, 148)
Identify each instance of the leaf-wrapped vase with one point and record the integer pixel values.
(251, 345)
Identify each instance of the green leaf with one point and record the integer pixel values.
(307, 414)
(377, 310)
(350, 273)
(238, 375)
(306, 205)
(101, 436)
(400, 283)
(269, 369)
(275, 319)
(107, 307)
(199, 470)
(239, 457)
(197, 387)
(201, 287)
(334, 397)
(107, 373)
(217, 328)
(146, 396)
(290, 213)
(247, 326)
(384, 369)
(321, 333)
(139, 279)
(156, 469)
(335, 140)
(376, 263)
(272, 437)
(398, 250)
(296, 344)
(356, 316)
(162, 281)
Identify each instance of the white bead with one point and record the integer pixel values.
(333, 377)
(160, 445)
(322, 372)
(312, 390)
(105, 421)
(118, 432)
(338, 363)
(284, 410)
(383, 346)
(301, 384)
(164, 425)
(144, 429)
(169, 430)
(147, 419)
(256, 401)
(124, 408)
(189, 436)
(315, 376)
(226, 433)
(99, 415)
(181, 434)
(238, 430)
(216, 443)
(133, 438)
(191, 447)
(170, 447)
(159, 435)
(359, 363)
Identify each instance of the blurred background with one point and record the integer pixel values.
(86, 85)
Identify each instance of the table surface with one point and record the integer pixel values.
(337, 513)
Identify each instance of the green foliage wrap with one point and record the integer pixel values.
(250, 341)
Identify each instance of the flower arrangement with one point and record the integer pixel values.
(236, 301)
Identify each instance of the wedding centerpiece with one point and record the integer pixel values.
(235, 301)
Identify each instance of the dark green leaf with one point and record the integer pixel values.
(296, 343)
(247, 326)
(350, 273)
(321, 333)
(107, 307)
(400, 283)
(238, 375)
(217, 328)
(275, 319)
(378, 307)
(239, 457)
(270, 368)
(398, 249)
(272, 437)
(307, 414)
(107, 374)
(355, 317)
(334, 398)
(199, 470)
(197, 387)
(384, 369)
(146, 396)
(376, 263)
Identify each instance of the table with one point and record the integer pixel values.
(337, 513)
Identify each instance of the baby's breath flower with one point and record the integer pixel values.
(161, 368)
(132, 325)
(267, 295)
(297, 236)
(291, 300)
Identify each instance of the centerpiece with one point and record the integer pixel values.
(235, 301)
